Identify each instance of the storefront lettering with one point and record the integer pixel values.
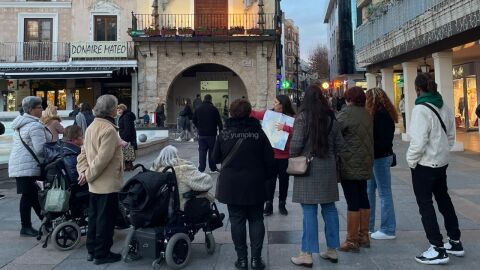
(99, 49)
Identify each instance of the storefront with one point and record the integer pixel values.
(465, 96)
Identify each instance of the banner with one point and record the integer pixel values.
(99, 49)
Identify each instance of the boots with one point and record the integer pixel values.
(353, 225)
(363, 237)
(330, 254)
(268, 210)
(303, 259)
(281, 208)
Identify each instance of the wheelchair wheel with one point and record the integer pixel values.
(66, 235)
(210, 244)
(177, 253)
(157, 264)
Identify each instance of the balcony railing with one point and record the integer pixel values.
(188, 25)
(14, 52)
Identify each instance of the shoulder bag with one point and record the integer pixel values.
(437, 114)
(232, 153)
(40, 164)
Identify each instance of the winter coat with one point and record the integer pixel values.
(53, 124)
(21, 163)
(206, 119)
(190, 178)
(197, 102)
(83, 120)
(356, 160)
(70, 153)
(242, 181)
(126, 125)
(101, 157)
(320, 185)
(383, 133)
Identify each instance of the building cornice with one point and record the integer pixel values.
(35, 4)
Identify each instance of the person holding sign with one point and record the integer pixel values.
(283, 107)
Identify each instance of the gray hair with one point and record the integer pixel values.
(30, 102)
(105, 105)
(167, 157)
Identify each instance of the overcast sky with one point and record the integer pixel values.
(308, 15)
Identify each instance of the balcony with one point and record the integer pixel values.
(201, 25)
(28, 52)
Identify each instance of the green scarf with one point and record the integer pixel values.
(432, 98)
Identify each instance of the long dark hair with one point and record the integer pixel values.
(286, 105)
(426, 83)
(316, 113)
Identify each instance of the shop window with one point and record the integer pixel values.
(105, 28)
(38, 39)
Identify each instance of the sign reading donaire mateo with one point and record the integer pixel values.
(99, 49)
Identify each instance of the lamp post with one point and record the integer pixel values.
(425, 68)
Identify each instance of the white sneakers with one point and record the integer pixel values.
(178, 139)
(191, 140)
(434, 255)
(378, 235)
(303, 259)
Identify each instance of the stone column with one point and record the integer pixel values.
(371, 80)
(442, 62)
(134, 104)
(387, 82)
(69, 94)
(409, 75)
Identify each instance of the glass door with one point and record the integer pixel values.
(471, 102)
(459, 103)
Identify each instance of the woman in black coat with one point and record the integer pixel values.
(126, 125)
(241, 184)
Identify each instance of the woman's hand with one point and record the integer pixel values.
(82, 179)
(279, 126)
(123, 143)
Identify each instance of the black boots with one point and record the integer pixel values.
(241, 263)
(268, 210)
(257, 263)
(281, 208)
(29, 232)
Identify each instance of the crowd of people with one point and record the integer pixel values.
(352, 147)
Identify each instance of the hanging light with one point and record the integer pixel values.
(425, 68)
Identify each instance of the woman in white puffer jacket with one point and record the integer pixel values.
(188, 176)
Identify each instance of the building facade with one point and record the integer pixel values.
(400, 38)
(66, 52)
(226, 48)
(291, 51)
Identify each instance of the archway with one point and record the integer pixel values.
(217, 80)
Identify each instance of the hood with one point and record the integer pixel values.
(243, 123)
(70, 148)
(432, 98)
(22, 120)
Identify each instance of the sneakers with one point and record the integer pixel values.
(434, 255)
(2, 196)
(191, 140)
(303, 259)
(330, 254)
(454, 247)
(378, 235)
(178, 139)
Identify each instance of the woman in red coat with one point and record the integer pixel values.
(282, 104)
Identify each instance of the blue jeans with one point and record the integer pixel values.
(382, 180)
(310, 227)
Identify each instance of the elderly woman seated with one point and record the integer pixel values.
(189, 178)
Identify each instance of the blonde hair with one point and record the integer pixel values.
(167, 157)
(122, 107)
(49, 114)
(378, 99)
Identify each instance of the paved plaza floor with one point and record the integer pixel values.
(283, 233)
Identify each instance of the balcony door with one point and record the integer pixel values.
(38, 39)
(211, 14)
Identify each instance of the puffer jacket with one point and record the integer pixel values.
(35, 135)
(70, 153)
(190, 178)
(356, 158)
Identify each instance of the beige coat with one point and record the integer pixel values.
(101, 158)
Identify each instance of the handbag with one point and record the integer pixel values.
(299, 166)
(58, 197)
(394, 160)
(128, 153)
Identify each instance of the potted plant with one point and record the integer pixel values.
(236, 30)
(202, 31)
(220, 31)
(254, 31)
(185, 31)
(168, 31)
(150, 31)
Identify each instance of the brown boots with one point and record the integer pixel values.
(363, 236)
(353, 224)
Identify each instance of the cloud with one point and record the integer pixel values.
(308, 15)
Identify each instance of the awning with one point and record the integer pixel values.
(56, 75)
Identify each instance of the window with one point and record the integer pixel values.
(38, 39)
(105, 28)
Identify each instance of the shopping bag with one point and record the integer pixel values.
(58, 197)
(128, 153)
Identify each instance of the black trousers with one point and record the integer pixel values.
(433, 181)
(355, 192)
(404, 121)
(102, 213)
(239, 214)
(29, 190)
(283, 177)
(205, 146)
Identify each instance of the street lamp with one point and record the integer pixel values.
(425, 68)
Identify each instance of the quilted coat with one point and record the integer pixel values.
(356, 160)
(35, 135)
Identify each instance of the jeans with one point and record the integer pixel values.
(239, 214)
(355, 192)
(283, 177)
(427, 181)
(102, 213)
(310, 227)
(205, 146)
(381, 180)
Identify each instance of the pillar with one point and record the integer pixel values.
(134, 105)
(387, 83)
(409, 75)
(3, 88)
(371, 80)
(69, 94)
(442, 62)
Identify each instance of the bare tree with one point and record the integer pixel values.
(318, 61)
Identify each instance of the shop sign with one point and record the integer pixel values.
(99, 49)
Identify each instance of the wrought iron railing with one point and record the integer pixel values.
(202, 24)
(13, 52)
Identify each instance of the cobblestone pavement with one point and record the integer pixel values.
(283, 233)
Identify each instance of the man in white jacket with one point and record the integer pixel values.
(432, 133)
